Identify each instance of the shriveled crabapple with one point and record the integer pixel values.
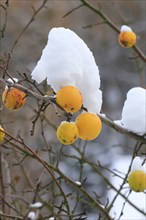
(69, 98)
(67, 132)
(13, 98)
(89, 125)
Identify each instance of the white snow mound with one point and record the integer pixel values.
(125, 28)
(134, 111)
(66, 60)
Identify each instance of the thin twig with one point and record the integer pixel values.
(3, 27)
(121, 129)
(4, 215)
(2, 181)
(74, 9)
(50, 167)
(28, 24)
(97, 170)
(104, 119)
(29, 92)
(113, 26)
(45, 166)
(80, 189)
(124, 181)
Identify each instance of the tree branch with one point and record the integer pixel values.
(4, 215)
(104, 119)
(121, 129)
(28, 24)
(49, 167)
(113, 26)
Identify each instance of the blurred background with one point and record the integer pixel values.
(120, 70)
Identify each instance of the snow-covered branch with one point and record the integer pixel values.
(121, 129)
(104, 119)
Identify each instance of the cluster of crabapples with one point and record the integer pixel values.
(13, 99)
(87, 125)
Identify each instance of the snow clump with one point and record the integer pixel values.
(138, 164)
(134, 111)
(66, 60)
(125, 28)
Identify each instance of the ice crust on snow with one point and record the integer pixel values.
(66, 60)
(125, 28)
(134, 111)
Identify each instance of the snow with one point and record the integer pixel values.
(137, 164)
(125, 28)
(11, 80)
(32, 216)
(139, 199)
(134, 111)
(78, 183)
(66, 60)
(36, 205)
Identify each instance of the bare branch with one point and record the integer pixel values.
(50, 168)
(74, 9)
(4, 215)
(112, 25)
(105, 120)
(3, 27)
(28, 24)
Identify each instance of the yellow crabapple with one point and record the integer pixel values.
(69, 98)
(2, 134)
(127, 38)
(67, 132)
(137, 180)
(89, 125)
(13, 98)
